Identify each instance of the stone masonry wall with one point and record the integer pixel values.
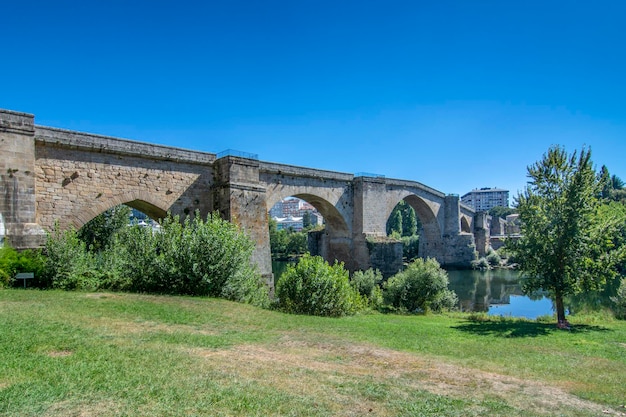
(75, 184)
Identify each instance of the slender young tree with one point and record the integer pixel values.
(394, 224)
(557, 210)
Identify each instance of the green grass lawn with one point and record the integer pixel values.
(101, 354)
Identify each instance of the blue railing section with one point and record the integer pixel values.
(240, 154)
(368, 174)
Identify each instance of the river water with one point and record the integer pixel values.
(496, 292)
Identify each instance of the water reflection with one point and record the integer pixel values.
(497, 292)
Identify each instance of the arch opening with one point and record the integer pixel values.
(428, 242)
(98, 232)
(465, 226)
(325, 233)
(403, 224)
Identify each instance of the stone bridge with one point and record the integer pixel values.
(50, 175)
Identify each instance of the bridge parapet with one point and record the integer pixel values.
(48, 136)
(303, 172)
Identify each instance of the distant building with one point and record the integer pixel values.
(484, 199)
(289, 213)
(286, 223)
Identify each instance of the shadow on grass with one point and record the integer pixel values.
(521, 328)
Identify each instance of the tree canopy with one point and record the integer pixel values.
(566, 245)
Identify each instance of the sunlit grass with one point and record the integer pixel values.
(64, 353)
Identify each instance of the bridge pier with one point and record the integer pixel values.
(17, 180)
(240, 198)
(459, 248)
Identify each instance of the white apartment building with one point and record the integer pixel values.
(484, 199)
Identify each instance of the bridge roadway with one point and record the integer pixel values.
(50, 175)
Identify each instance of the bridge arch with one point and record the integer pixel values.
(430, 240)
(333, 243)
(465, 225)
(142, 201)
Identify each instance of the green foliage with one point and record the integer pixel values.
(612, 186)
(286, 242)
(481, 264)
(194, 257)
(502, 212)
(394, 226)
(493, 258)
(422, 287)
(410, 247)
(99, 231)
(68, 264)
(13, 262)
(556, 251)
(403, 221)
(620, 301)
(367, 283)
(314, 287)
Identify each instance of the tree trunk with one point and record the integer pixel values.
(560, 312)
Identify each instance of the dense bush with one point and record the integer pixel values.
(410, 247)
(422, 287)
(193, 257)
(68, 263)
(493, 258)
(367, 283)
(314, 287)
(13, 262)
(481, 264)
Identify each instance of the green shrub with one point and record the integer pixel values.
(194, 257)
(619, 301)
(422, 287)
(68, 264)
(314, 287)
(367, 283)
(13, 262)
(410, 246)
(481, 264)
(493, 258)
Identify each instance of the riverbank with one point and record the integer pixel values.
(66, 353)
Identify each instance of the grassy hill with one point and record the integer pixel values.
(102, 354)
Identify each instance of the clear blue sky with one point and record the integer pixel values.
(454, 94)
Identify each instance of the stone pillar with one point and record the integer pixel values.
(370, 246)
(17, 180)
(452, 215)
(459, 248)
(240, 199)
(481, 233)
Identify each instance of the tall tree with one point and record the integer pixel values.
(394, 225)
(605, 182)
(557, 210)
(409, 220)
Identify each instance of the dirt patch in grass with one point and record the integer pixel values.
(81, 409)
(342, 375)
(120, 327)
